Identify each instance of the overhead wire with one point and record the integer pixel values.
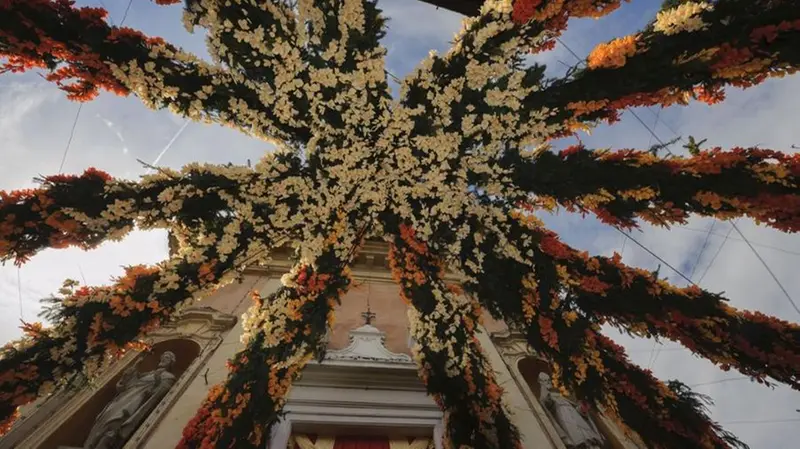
(762, 245)
(655, 124)
(80, 105)
(719, 381)
(125, 15)
(659, 258)
(69, 140)
(713, 259)
(703, 248)
(769, 270)
(752, 248)
(19, 293)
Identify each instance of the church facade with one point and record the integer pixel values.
(364, 394)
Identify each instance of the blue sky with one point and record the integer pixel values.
(112, 132)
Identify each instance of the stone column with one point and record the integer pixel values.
(534, 435)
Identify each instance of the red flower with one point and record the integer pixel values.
(524, 10)
(553, 247)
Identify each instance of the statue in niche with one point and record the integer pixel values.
(576, 429)
(137, 396)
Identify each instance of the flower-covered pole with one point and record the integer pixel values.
(91, 322)
(282, 333)
(622, 185)
(692, 50)
(526, 288)
(637, 302)
(500, 246)
(52, 35)
(316, 60)
(85, 210)
(456, 373)
(482, 99)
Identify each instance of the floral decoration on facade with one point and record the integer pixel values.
(449, 172)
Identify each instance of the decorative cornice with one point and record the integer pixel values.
(512, 345)
(218, 321)
(371, 265)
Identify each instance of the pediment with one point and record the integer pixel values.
(367, 347)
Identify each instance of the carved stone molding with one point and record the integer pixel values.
(362, 389)
(367, 347)
(198, 323)
(371, 265)
(512, 346)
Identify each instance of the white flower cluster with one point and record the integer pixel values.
(682, 18)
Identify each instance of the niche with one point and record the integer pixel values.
(75, 429)
(531, 367)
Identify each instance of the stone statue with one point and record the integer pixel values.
(137, 396)
(576, 429)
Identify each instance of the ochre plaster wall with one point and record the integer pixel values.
(233, 299)
(385, 303)
(391, 318)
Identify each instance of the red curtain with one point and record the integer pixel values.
(354, 442)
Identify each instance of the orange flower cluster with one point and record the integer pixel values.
(554, 14)
(5, 425)
(32, 218)
(87, 68)
(200, 424)
(524, 10)
(613, 54)
(748, 66)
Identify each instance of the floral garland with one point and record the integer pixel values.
(584, 362)
(604, 288)
(123, 60)
(622, 185)
(442, 162)
(282, 333)
(94, 322)
(692, 50)
(85, 210)
(451, 362)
